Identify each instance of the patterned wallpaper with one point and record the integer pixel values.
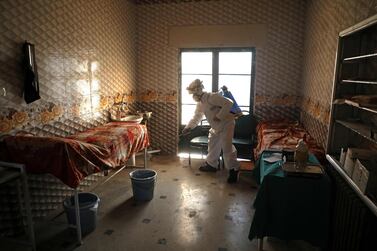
(85, 52)
(324, 20)
(165, 1)
(279, 62)
(86, 58)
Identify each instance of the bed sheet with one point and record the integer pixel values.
(284, 135)
(121, 139)
(73, 158)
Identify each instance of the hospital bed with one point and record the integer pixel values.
(73, 158)
(284, 135)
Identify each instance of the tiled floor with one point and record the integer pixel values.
(190, 211)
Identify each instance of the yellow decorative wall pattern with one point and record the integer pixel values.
(316, 110)
(13, 120)
(6, 125)
(157, 96)
(285, 100)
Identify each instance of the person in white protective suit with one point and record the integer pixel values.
(216, 109)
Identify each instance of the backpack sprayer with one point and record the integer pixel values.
(236, 110)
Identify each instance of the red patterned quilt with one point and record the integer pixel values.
(73, 158)
(284, 135)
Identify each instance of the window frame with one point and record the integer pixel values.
(215, 72)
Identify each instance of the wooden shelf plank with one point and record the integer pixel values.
(359, 128)
(354, 104)
(360, 57)
(368, 109)
(370, 204)
(359, 81)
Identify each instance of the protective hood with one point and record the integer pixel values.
(196, 87)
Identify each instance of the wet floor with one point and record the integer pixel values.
(190, 210)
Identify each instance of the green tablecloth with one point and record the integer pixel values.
(291, 208)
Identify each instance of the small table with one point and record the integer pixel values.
(288, 207)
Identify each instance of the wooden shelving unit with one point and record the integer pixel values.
(366, 56)
(352, 123)
(350, 81)
(357, 106)
(359, 128)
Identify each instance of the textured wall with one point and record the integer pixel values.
(86, 58)
(85, 53)
(324, 20)
(278, 69)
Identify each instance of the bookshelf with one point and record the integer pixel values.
(353, 118)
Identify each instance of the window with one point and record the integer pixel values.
(234, 68)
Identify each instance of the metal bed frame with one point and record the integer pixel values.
(13, 171)
(22, 174)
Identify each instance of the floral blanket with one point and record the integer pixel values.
(284, 135)
(73, 158)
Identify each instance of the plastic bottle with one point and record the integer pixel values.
(301, 154)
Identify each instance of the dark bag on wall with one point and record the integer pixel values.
(31, 85)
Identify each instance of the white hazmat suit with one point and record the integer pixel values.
(216, 109)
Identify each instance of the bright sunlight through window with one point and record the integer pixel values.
(217, 68)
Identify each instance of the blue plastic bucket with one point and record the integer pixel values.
(143, 181)
(88, 204)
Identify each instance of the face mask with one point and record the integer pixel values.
(196, 97)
